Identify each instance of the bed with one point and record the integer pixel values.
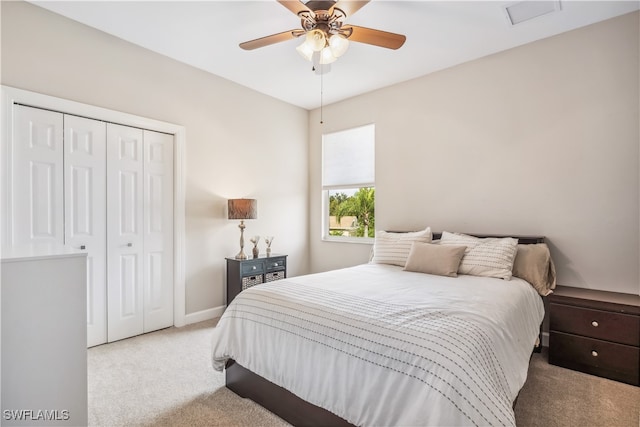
(376, 344)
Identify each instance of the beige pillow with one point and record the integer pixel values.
(533, 263)
(488, 257)
(393, 248)
(435, 259)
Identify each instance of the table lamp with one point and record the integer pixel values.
(242, 209)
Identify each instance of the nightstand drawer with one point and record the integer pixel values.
(606, 325)
(273, 276)
(276, 263)
(250, 281)
(251, 268)
(615, 361)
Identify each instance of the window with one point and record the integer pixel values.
(348, 184)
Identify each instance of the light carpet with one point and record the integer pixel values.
(165, 378)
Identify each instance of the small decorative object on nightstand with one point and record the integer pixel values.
(268, 240)
(243, 274)
(255, 240)
(596, 332)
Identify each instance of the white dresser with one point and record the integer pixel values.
(43, 336)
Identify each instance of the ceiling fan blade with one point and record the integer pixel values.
(375, 37)
(295, 6)
(272, 39)
(350, 7)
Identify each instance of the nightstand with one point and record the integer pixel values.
(244, 273)
(596, 332)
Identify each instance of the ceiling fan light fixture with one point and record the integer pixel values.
(305, 50)
(326, 56)
(316, 40)
(338, 44)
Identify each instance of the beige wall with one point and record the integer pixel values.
(541, 139)
(239, 143)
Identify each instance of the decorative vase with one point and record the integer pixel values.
(268, 240)
(256, 251)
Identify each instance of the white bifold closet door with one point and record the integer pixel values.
(105, 189)
(157, 218)
(36, 178)
(140, 232)
(85, 212)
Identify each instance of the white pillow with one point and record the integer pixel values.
(393, 248)
(488, 257)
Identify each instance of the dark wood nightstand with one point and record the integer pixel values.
(596, 332)
(244, 273)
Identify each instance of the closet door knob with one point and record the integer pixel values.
(83, 247)
(130, 244)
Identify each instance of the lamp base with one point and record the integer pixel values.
(241, 254)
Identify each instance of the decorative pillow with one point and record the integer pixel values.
(393, 248)
(533, 263)
(435, 259)
(488, 257)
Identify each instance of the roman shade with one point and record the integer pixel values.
(348, 158)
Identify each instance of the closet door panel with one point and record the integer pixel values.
(158, 230)
(35, 213)
(124, 232)
(85, 212)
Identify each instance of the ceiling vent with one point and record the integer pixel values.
(520, 12)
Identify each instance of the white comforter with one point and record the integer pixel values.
(379, 346)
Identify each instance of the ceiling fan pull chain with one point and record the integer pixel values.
(321, 92)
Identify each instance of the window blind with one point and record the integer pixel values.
(348, 158)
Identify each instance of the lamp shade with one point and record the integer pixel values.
(305, 51)
(316, 40)
(243, 208)
(338, 44)
(326, 57)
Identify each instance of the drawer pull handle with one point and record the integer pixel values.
(594, 324)
(254, 267)
(594, 353)
(275, 264)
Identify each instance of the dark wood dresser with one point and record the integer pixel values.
(596, 332)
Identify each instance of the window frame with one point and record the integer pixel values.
(325, 189)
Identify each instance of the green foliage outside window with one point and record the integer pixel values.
(360, 205)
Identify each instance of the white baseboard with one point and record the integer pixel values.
(201, 316)
(545, 339)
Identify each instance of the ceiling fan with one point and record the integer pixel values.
(326, 33)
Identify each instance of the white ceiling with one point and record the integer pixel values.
(440, 34)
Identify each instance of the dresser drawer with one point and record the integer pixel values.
(276, 263)
(610, 326)
(251, 268)
(606, 359)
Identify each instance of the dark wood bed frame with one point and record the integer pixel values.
(292, 408)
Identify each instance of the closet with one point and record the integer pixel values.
(106, 189)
